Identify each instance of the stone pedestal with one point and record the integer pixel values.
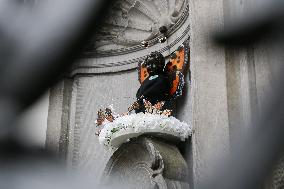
(147, 162)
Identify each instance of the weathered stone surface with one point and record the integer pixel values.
(130, 22)
(97, 82)
(89, 95)
(118, 53)
(54, 117)
(205, 103)
(147, 162)
(58, 117)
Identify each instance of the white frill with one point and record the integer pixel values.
(126, 127)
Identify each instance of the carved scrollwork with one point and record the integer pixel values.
(147, 162)
(132, 21)
(157, 166)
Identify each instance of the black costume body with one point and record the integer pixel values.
(154, 89)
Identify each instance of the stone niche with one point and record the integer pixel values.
(106, 74)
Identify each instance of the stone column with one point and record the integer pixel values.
(205, 104)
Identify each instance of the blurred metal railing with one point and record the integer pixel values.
(36, 47)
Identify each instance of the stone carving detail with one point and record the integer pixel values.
(132, 21)
(147, 162)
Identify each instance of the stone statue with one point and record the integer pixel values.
(156, 87)
(160, 83)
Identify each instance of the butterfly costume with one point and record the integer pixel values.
(161, 82)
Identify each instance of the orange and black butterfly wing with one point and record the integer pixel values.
(142, 72)
(177, 85)
(176, 66)
(178, 60)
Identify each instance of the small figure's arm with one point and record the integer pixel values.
(133, 106)
(101, 118)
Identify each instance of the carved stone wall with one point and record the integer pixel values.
(107, 54)
(130, 22)
(106, 74)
